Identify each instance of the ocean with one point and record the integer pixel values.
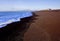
(7, 17)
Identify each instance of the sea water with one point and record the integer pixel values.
(7, 17)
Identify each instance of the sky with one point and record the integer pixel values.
(6, 5)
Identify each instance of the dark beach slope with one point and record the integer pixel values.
(45, 28)
(15, 31)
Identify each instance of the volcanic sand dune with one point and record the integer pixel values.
(46, 27)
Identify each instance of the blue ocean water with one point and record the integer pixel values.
(7, 17)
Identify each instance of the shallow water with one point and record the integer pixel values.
(7, 17)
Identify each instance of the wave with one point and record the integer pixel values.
(12, 16)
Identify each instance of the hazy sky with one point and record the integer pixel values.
(29, 4)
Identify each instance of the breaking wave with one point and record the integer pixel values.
(8, 17)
